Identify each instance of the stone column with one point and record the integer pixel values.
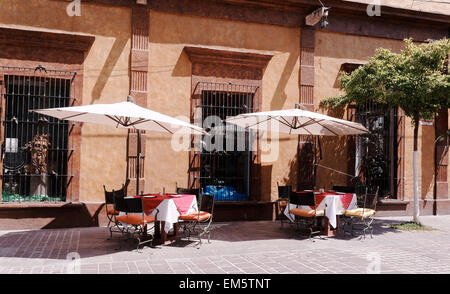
(306, 143)
(140, 22)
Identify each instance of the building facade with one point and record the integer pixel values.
(193, 59)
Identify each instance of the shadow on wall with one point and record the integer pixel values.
(113, 56)
(292, 178)
(48, 217)
(183, 67)
(338, 153)
(280, 96)
(266, 183)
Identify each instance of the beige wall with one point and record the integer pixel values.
(170, 85)
(105, 79)
(332, 50)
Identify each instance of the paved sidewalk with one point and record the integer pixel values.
(237, 247)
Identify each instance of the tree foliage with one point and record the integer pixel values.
(414, 80)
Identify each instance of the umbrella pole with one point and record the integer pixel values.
(315, 166)
(316, 160)
(138, 161)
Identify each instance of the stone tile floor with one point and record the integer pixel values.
(237, 247)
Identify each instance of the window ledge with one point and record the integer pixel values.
(393, 202)
(22, 205)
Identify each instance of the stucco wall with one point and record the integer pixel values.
(170, 86)
(332, 50)
(105, 77)
(106, 80)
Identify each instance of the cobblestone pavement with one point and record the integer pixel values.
(237, 247)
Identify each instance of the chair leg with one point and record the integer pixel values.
(121, 237)
(110, 234)
(116, 225)
(351, 228)
(187, 226)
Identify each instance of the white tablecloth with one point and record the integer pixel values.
(332, 204)
(169, 212)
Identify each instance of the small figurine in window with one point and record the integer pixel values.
(39, 149)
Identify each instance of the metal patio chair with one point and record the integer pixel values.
(135, 220)
(111, 212)
(362, 217)
(308, 219)
(282, 202)
(199, 223)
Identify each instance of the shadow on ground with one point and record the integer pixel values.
(90, 242)
(251, 231)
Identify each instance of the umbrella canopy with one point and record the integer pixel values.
(121, 115)
(298, 122)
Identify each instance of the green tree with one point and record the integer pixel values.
(416, 80)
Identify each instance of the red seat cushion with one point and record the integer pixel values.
(135, 219)
(195, 216)
(113, 212)
(307, 212)
(360, 212)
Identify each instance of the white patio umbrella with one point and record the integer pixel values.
(123, 115)
(299, 122)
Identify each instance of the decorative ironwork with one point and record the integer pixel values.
(221, 171)
(35, 149)
(376, 152)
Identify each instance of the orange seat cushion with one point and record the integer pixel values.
(195, 216)
(135, 219)
(113, 212)
(307, 212)
(360, 212)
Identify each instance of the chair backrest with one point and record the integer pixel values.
(344, 189)
(302, 198)
(109, 196)
(206, 202)
(371, 200)
(361, 194)
(119, 201)
(109, 199)
(134, 205)
(364, 199)
(283, 191)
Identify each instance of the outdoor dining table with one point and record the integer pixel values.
(333, 203)
(170, 206)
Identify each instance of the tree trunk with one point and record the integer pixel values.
(415, 169)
